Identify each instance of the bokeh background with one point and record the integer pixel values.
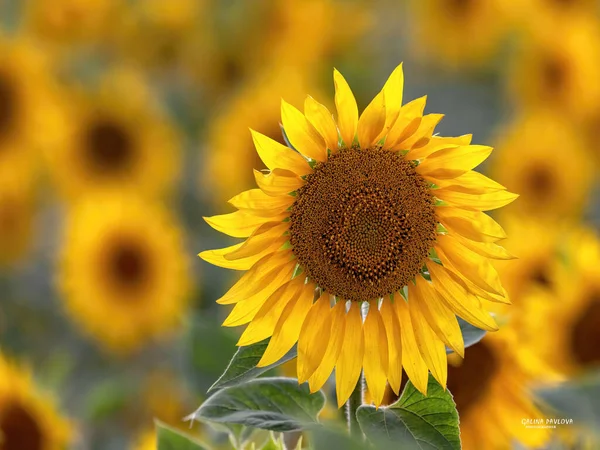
(123, 123)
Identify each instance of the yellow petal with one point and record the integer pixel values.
(473, 266)
(456, 297)
(276, 155)
(334, 347)
(263, 324)
(474, 225)
(437, 143)
(347, 110)
(392, 329)
(314, 338)
(432, 349)
(245, 310)
(216, 257)
(265, 240)
(423, 135)
(438, 316)
(288, 326)
(484, 202)
(371, 122)
(414, 365)
(349, 363)
(470, 183)
(487, 249)
(453, 162)
(393, 93)
(240, 224)
(302, 134)
(256, 202)
(376, 354)
(320, 118)
(258, 276)
(278, 182)
(406, 124)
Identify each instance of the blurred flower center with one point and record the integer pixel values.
(459, 7)
(109, 147)
(541, 182)
(540, 275)
(554, 73)
(128, 265)
(363, 224)
(470, 381)
(585, 334)
(18, 430)
(9, 215)
(8, 103)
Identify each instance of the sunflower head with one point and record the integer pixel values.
(370, 211)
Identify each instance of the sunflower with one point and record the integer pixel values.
(124, 274)
(372, 211)
(444, 30)
(553, 65)
(29, 419)
(555, 187)
(116, 144)
(146, 441)
(574, 311)
(490, 387)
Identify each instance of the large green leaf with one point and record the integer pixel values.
(471, 334)
(415, 421)
(277, 404)
(242, 366)
(168, 438)
(331, 438)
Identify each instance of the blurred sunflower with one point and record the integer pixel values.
(490, 389)
(574, 312)
(28, 418)
(230, 155)
(555, 187)
(444, 30)
(553, 67)
(147, 441)
(124, 273)
(378, 206)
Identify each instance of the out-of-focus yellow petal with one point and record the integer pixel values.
(470, 183)
(392, 329)
(456, 297)
(278, 182)
(288, 326)
(263, 324)
(347, 109)
(407, 123)
(483, 202)
(276, 155)
(438, 316)
(258, 276)
(376, 354)
(240, 224)
(256, 202)
(474, 225)
(371, 122)
(320, 118)
(349, 363)
(431, 347)
(414, 365)
(314, 338)
(265, 240)
(245, 310)
(334, 348)
(453, 162)
(302, 134)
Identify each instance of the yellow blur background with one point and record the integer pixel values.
(123, 123)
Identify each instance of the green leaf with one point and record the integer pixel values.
(577, 399)
(277, 404)
(242, 366)
(414, 421)
(471, 334)
(168, 438)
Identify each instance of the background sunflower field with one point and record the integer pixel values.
(124, 122)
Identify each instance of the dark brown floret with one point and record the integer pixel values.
(363, 223)
(585, 334)
(19, 430)
(110, 149)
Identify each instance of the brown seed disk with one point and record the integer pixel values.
(363, 223)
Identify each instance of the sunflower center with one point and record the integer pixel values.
(469, 382)
(8, 103)
(541, 182)
(127, 265)
(459, 7)
(363, 223)
(109, 147)
(554, 73)
(586, 334)
(540, 276)
(19, 430)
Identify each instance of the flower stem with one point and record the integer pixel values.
(355, 400)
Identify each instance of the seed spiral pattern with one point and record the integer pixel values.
(363, 223)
